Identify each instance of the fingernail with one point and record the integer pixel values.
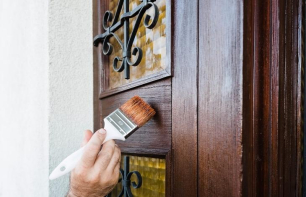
(102, 131)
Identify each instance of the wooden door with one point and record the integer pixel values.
(227, 95)
(149, 148)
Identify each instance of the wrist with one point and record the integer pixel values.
(71, 194)
(86, 193)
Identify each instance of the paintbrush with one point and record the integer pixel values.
(119, 125)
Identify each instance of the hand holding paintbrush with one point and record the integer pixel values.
(97, 172)
(119, 125)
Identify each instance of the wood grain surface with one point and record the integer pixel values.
(154, 137)
(228, 116)
(184, 98)
(220, 98)
(272, 93)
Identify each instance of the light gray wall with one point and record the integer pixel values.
(45, 91)
(24, 145)
(71, 82)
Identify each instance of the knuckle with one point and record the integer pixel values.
(95, 179)
(106, 182)
(92, 147)
(101, 137)
(108, 177)
(80, 173)
(119, 152)
(110, 144)
(115, 178)
(117, 157)
(108, 148)
(116, 174)
(107, 156)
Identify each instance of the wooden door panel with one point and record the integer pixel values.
(155, 136)
(184, 98)
(149, 80)
(220, 98)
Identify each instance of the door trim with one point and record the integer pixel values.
(272, 98)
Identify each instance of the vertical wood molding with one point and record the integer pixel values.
(96, 5)
(184, 97)
(257, 105)
(220, 98)
(271, 98)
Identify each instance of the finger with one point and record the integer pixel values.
(115, 160)
(87, 135)
(92, 148)
(116, 171)
(105, 155)
(117, 167)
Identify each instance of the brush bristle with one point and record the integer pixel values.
(138, 110)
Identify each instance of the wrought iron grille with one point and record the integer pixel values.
(126, 180)
(123, 20)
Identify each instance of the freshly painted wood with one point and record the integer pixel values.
(155, 136)
(148, 79)
(234, 113)
(290, 89)
(220, 98)
(257, 105)
(272, 98)
(154, 139)
(184, 98)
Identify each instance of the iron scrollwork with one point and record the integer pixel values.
(126, 179)
(126, 45)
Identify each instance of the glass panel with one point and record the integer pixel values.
(153, 172)
(151, 41)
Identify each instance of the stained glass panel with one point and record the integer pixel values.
(153, 172)
(151, 41)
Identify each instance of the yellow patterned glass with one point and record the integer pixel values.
(151, 41)
(153, 172)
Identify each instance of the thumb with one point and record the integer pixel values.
(87, 136)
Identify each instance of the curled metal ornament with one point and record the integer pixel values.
(139, 179)
(120, 180)
(115, 64)
(136, 51)
(148, 17)
(126, 179)
(107, 47)
(108, 17)
(123, 20)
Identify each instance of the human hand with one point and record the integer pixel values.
(97, 172)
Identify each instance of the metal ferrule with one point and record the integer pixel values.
(122, 123)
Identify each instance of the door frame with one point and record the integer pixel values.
(272, 126)
(271, 162)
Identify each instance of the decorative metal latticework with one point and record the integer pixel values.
(123, 20)
(126, 179)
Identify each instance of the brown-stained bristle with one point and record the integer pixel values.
(138, 110)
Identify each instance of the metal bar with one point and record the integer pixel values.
(128, 39)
